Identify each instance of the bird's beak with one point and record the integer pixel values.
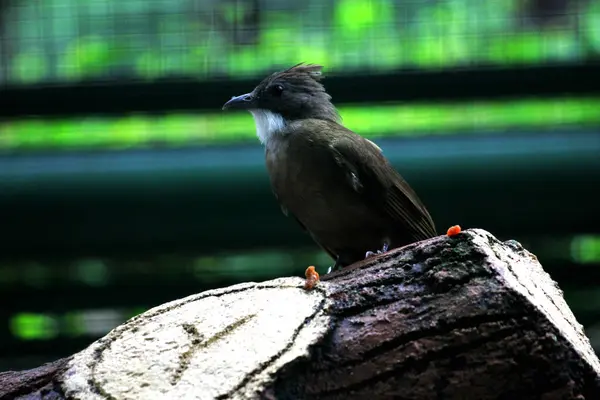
(242, 102)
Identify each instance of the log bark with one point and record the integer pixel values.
(462, 317)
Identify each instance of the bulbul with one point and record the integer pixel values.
(338, 185)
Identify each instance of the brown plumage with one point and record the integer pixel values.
(335, 183)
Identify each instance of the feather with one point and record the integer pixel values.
(382, 185)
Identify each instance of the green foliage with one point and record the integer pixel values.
(88, 56)
(150, 39)
(149, 65)
(370, 121)
(591, 25)
(31, 326)
(29, 67)
(42, 326)
(585, 249)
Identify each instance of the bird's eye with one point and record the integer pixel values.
(277, 89)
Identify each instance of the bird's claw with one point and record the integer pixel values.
(383, 250)
(372, 254)
(368, 254)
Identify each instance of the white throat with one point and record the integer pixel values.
(267, 123)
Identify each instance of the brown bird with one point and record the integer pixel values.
(338, 185)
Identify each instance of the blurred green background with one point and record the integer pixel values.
(123, 186)
(66, 40)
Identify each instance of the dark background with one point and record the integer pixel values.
(123, 186)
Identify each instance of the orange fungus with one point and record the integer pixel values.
(312, 278)
(454, 230)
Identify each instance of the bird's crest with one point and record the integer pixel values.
(313, 70)
(304, 95)
(299, 71)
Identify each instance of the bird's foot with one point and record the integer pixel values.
(383, 250)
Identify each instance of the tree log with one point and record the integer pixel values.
(462, 317)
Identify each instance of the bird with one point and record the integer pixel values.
(335, 183)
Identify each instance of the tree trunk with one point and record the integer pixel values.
(462, 317)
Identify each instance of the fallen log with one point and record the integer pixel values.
(462, 317)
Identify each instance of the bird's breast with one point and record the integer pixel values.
(309, 183)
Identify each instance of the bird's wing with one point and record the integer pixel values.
(371, 175)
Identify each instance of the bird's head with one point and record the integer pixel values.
(285, 96)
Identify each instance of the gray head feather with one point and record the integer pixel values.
(296, 93)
